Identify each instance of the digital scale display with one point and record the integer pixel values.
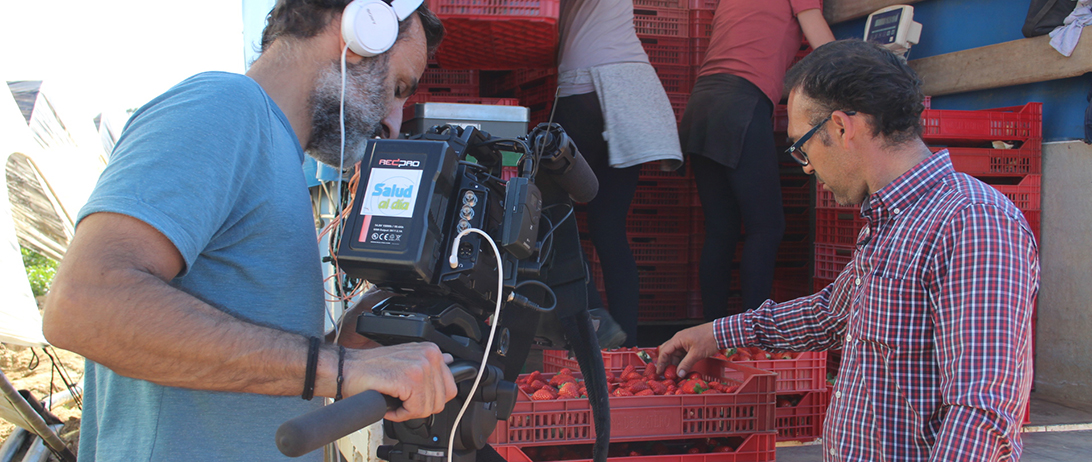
(884, 27)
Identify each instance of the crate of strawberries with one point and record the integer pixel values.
(755, 447)
(714, 399)
(796, 371)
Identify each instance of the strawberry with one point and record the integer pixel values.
(559, 379)
(534, 375)
(569, 387)
(631, 376)
(645, 392)
(717, 386)
(526, 388)
(567, 395)
(628, 369)
(537, 384)
(565, 371)
(611, 377)
(635, 386)
(657, 387)
(542, 395)
(671, 372)
(671, 390)
(650, 371)
(622, 392)
(694, 450)
(711, 391)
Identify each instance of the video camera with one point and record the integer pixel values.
(475, 260)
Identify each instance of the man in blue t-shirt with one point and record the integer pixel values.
(193, 283)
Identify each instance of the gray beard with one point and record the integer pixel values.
(365, 107)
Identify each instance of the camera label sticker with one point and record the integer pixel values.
(391, 192)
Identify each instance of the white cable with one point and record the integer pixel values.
(337, 204)
(492, 328)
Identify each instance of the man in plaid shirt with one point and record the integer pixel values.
(933, 313)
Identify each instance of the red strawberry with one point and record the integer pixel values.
(622, 392)
(657, 387)
(565, 371)
(671, 372)
(716, 386)
(650, 371)
(636, 386)
(526, 389)
(534, 375)
(611, 377)
(559, 379)
(694, 450)
(671, 390)
(542, 395)
(629, 369)
(645, 392)
(537, 384)
(631, 376)
(569, 387)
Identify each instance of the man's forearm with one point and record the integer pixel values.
(141, 327)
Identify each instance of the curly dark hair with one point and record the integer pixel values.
(306, 18)
(854, 75)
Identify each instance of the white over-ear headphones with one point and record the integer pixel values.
(370, 27)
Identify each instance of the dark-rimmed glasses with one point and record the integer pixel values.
(796, 151)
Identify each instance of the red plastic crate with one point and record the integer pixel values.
(666, 51)
(676, 4)
(996, 162)
(704, 4)
(662, 305)
(819, 284)
(1017, 123)
(662, 22)
(797, 224)
(756, 447)
(698, 47)
(825, 199)
(471, 91)
(796, 191)
(651, 171)
(555, 360)
(838, 226)
(659, 248)
(651, 278)
(437, 76)
(790, 283)
(1026, 194)
(701, 23)
(675, 79)
(781, 118)
(497, 34)
(678, 104)
(806, 373)
(666, 192)
(640, 418)
(831, 259)
(804, 421)
(541, 91)
(649, 220)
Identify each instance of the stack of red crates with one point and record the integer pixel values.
(659, 234)
(649, 428)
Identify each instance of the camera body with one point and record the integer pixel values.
(414, 197)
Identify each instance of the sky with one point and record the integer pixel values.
(111, 55)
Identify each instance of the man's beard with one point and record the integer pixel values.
(365, 106)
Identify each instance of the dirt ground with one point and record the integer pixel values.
(16, 362)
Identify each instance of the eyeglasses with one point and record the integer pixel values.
(797, 148)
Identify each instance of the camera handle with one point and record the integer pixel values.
(317, 428)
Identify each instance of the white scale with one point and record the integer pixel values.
(893, 28)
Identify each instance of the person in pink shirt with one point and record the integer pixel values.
(727, 131)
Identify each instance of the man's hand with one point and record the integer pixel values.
(687, 347)
(415, 373)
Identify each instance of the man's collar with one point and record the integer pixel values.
(904, 191)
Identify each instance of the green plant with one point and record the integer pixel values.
(40, 270)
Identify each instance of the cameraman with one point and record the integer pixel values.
(193, 284)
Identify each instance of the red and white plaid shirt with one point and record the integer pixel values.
(933, 315)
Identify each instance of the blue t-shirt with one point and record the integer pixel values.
(214, 165)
